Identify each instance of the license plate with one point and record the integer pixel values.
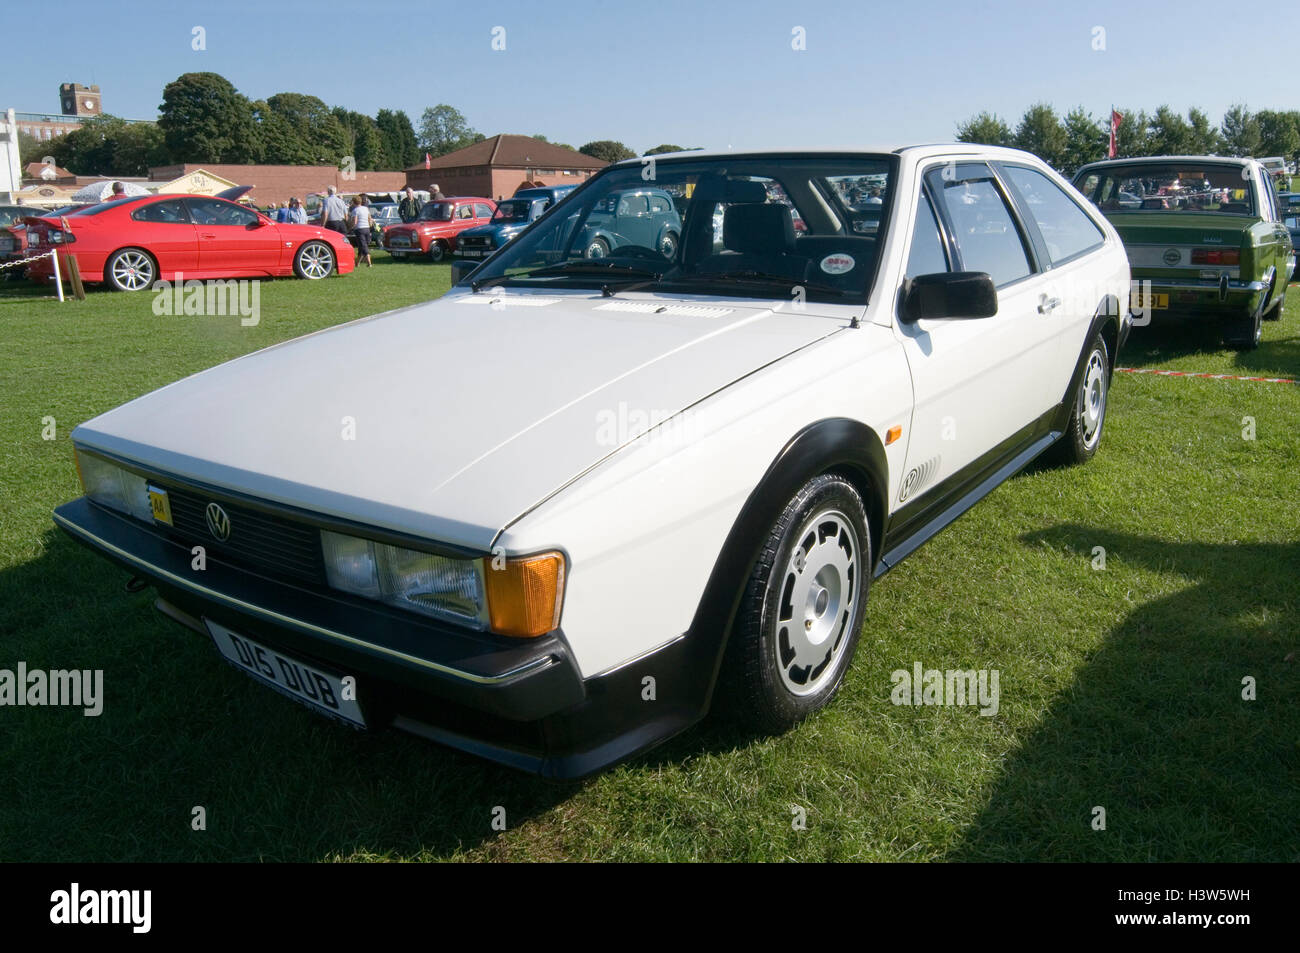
(161, 505)
(397, 254)
(304, 683)
(1154, 302)
(471, 253)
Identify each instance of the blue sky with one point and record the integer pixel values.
(713, 74)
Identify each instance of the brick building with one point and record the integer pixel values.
(496, 167)
(277, 183)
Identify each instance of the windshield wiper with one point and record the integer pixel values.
(762, 277)
(582, 267)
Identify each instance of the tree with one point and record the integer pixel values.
(205, 119)
(1278, 135)
(444, 129)
(1240, 131)
(608, 150)
(365, 143)
(278, 144)
(1204, 139)
(1041, 132)
(1133, 138)
(1170, 135)
(108, 145)
(1085, 139)
(985, 129)
(31, 149)
(321, 138)
(398, 138)
(661, 149)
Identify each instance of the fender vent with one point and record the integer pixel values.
(918, 478)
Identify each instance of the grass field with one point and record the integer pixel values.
(1120, 688)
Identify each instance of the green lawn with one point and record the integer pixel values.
(1120, 688)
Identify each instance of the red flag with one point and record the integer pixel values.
(427, 160)
(1115, 120)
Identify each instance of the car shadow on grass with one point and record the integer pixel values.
(1154, 728)
(1169, 338)
(181, 729)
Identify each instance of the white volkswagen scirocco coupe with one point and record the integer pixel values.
(550, 516)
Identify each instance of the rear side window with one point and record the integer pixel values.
(171, 212)
(482, 211)
(1066, 229)
(986, 234)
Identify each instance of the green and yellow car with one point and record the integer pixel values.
(1204, 235)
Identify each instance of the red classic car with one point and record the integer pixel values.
(434, 232)
(130, 243)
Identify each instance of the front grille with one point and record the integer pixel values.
(476, 241)
(402, 241)
(259, 540)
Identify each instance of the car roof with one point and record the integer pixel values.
(912, 151)
(1165, 160)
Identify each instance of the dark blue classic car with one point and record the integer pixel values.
(643, 217)
(511, 217)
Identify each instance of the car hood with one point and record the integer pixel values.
(451, 418)
(494, 230)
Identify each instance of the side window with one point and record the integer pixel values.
(219, 212)
(986, 235)
(171, 212)
(1066, 229)
(1268, 197)
(926, 256)
(465, 211)
(658, 204)
(632, 205)
(482, 211)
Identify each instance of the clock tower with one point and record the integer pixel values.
(78, 100)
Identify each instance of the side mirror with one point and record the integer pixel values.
(460, 268)
(950, 294)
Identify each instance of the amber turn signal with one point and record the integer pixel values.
(524, 595)
(893, 434)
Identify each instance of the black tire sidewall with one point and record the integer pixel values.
(771, 704)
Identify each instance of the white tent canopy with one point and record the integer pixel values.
(98, 191)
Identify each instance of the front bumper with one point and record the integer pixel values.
(519, 702)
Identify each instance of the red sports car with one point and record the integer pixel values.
(434, 232)
(131, 243)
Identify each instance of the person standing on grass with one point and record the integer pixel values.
(359, 222)
(333, 213)
(408, 210)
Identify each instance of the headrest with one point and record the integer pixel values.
(758, 229)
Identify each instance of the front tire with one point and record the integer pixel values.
(799, 618)
(314, 261)
(130, 269)
(437, 251)
(1088, 410)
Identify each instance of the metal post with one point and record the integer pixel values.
(58, 281)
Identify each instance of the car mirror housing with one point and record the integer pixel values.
(950, 294)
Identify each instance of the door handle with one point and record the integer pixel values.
(207, 234)
(1047, 305)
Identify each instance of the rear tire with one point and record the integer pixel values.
(801, 612)
(130, 269)
(1244, 332)
(1274, 312)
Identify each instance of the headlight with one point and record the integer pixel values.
(112, 486)
(433, 585)
(520, 597)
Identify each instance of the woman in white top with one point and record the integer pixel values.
(359, 222)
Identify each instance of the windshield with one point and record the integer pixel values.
(436, 212)
(1179, 187)
(513, 210)
(758, 227)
